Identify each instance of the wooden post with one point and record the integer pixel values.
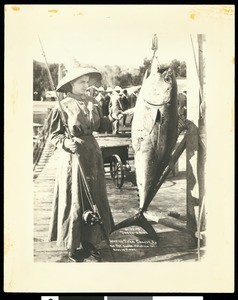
(195, 173)
(201, 129)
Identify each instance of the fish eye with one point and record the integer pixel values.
(167, 79)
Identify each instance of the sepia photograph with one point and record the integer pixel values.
(122, 110)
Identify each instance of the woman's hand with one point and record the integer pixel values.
(70, 145)
(129, 111)
(120, 116)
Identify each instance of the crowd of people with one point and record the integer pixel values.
(110, 99)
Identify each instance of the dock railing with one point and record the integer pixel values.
(40, 140)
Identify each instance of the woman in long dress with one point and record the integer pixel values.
(83, 116)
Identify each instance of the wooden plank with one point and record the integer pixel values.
(174, 223)
(123, 203)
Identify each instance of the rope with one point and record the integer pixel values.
(155, 48)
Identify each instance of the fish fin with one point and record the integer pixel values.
(153, 114)
(138, 220)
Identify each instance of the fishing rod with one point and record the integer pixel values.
(65, 122)
(89, 217)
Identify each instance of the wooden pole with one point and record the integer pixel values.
(196, 140)
(202, 131)
(192, 139)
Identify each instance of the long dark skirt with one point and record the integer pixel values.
(69, 202)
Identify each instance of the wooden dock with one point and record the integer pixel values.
(130, 244)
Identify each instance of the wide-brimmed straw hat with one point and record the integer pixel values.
(64, 84)
(101, 89)
(109, 90)
(117, 88)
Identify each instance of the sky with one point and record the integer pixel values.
(111, 34)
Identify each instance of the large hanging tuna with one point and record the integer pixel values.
(154, 135)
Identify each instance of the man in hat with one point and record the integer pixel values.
(124, 103)
(182, 104)
(100, 96)
(105, 107)
(133, 99)
(74, 198)
(115, 108)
